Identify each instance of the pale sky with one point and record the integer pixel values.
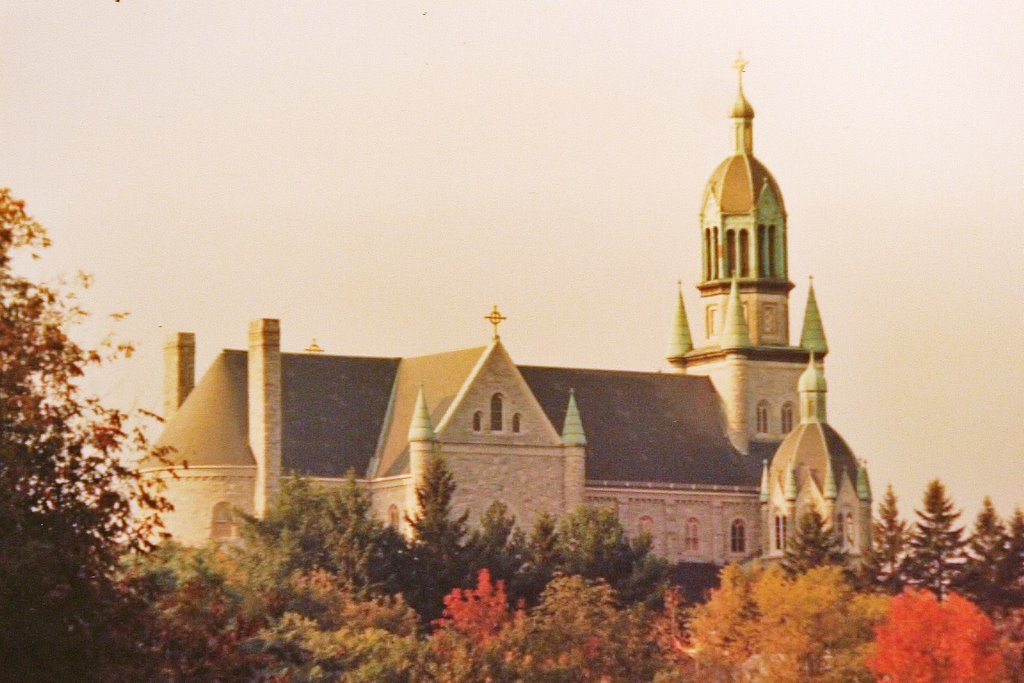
(377, 174)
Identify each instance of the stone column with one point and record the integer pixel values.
(265, 409)
(179, 370)
(574, 477)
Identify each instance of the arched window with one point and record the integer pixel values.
(780, 532)
(646, 525)
(787, 418)
(716, 252)
(223, 523)
(848, 535)
(762, 252)
(773, 268)
(708, 251)
(744, 254)
(393, 516)
(730, 252)
(691, 536)
(762, 417)
(478, 419)
(516, 423)
(738, 536)
(497, 420)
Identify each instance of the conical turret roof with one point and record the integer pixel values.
(680, 342)
(421, 428)
(572, 430)
(812, 337)
(735, 333)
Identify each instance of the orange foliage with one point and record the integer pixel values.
(927, 641)
(478, 613)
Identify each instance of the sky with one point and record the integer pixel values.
(378, 174)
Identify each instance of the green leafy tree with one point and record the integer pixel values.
(981, 577)
(70, 505)
(813, 545)
(541, 558)
(883, 567)
(497, 544)
(936, 543)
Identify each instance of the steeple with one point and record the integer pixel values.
(812, 337)
(572, 430)
(764, 481)
(742, 114)
(812, 387)
(680, 342)
(734, 331)
(863, 484)
(421, 428)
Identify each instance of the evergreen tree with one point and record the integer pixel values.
(936, 545)
(541, 558)
(497, 545)
(1011, 566)
(813, 545)
(883, 568)
(439, 542)
(986, 548)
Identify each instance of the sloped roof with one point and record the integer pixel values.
(810, 445)
(645, 426)
(737, 184)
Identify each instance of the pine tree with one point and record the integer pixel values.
(497, 545)
(883, 568)
(439, 542)
(986, 548)
(813, 545)
(936, 545)
(1011, 567)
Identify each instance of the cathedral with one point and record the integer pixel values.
(716, 460)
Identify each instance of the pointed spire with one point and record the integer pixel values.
(421, 428)
(792, 487)
(812, 337)
(734, 330)
(742, 114)
(764, 481)
(680, 341)
(572, 430)
(830, 491)
(863, 484)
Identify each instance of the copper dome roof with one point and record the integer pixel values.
(737, 184)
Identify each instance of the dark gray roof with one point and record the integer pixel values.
(645, 426)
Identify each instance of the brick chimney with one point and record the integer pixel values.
(179, 370)
(265, 408)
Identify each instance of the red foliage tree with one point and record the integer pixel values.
(478, 613)
(927, 641)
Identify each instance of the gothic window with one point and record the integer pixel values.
(709, 320)
(787, 418)
(848, 530)
(773, 268)
(716, 252)
(393, 516)
(762, 252)
(738, 536)
(780, 532)
(691, 537)
(497, 419)
(646, 525)
(223, 523)
(762, 417)
(744, 258)
(516, 423)
(730, 252)
(478, 419)
(708, 251)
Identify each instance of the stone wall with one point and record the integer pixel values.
(195, 492)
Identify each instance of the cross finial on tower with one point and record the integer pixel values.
(740, 65)
(495, 318)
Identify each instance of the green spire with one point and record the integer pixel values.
(572, 430)
(812, 337)
(734, 331)
(421, 428)
(863, 485)
(680, 342)
(764, 481)
(830, 492)
(792, 488)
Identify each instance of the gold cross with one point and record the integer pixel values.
(495, 318)
(740, 65)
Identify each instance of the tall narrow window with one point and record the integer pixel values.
(787, 418)
(222, 524)
(762, 252)
(708, 250)
(730, 252)
(393, 516)
(780, 532)
(709, 320)
(744, 254)
(762, 417)
(716, 252)
(478, 419)
(497, 420)
(848, 531)
(516, 423)
(773, 269)
(738, 536)
(691, 537)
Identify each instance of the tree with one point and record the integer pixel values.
(981, 578)
(925, 641)
(813, 545)
(541, 558)
(70, 505)
(936, 545)
(883, 567)
(497, 545)
(1011, 568)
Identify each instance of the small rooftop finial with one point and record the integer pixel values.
(741, 109)
(495, 318)
(314, 347)
(740, 65)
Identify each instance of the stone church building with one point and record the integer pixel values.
(716, 459)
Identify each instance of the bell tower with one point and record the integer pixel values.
(741, 337)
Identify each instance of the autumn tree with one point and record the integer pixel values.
(813, 545)
(884, 563)
(936, 543)
(70, 505)
(927, 641)
(1011, 568)
(981, 577)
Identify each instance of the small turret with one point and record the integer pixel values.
(863, 484)
(680, 342)
(764, 481)
(421, 428)
(735, 334)
(572, 430)
(813, 389)
(812, 337)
